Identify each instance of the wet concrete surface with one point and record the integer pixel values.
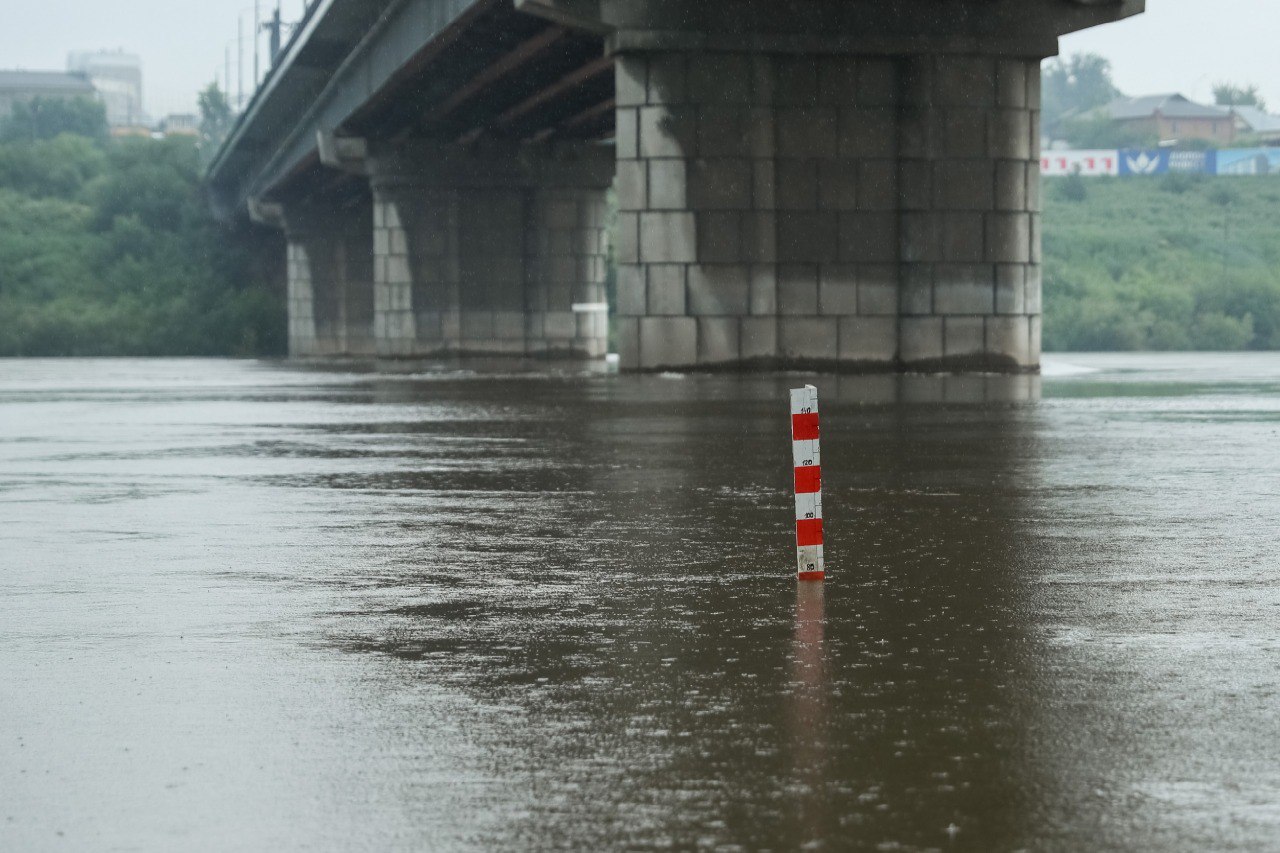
(254, 607)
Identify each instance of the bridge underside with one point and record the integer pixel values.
(796, 184)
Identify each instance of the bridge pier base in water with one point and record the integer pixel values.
(490, 251)
(833, 210)
(330, 277)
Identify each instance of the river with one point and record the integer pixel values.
(249, 606)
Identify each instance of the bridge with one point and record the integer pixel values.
(827, 183)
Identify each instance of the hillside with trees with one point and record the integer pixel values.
(107, 247)
(1178, 262)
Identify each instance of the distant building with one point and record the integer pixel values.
(18, 87)
(1251, 121)
(180, 124)
(127, 131)
(1173, 117)
(118, 78)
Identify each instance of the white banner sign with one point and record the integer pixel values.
(1056, 164)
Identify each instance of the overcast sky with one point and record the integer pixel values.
(182, 43)
(1178, 45)
(1188, 45)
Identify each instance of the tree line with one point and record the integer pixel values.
(108, 247)
(1176, 262)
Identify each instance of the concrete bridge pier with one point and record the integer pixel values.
(832, 209)
(968, 173)
(839, 184)
(330, 276)
(490, 251)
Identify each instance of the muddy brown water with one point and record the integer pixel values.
(247, 606)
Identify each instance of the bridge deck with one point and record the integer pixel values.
(446, 70)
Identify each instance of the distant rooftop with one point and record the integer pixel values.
(53, 81)
(1256, 120)
(1169, 106)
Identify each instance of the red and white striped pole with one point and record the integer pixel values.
(808, 473)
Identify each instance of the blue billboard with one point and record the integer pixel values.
(1161, 161)
(1198, 162)
(1137, 161)
(1249, 161)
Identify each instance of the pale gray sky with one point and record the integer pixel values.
(1178, 45)
(181, 42)
(1188, 45)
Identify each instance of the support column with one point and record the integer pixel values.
(394, 324)
(970, 241)
(830, 185)
(568, 248)
(758, 199)
(330, 279)
(300, 300)
(490, 252)
(835, 210)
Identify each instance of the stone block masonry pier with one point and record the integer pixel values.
(330, 276)
(828, 211)
(835, 184)
(500, 252)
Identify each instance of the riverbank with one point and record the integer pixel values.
(109, 248)
(1177, 262)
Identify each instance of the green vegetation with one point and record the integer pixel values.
(1076, 85)
(45, 118)
(1072, 92)
(1099, 131)
(1228, 95)
(108, 247)
(1181, 262)
(215, 119)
